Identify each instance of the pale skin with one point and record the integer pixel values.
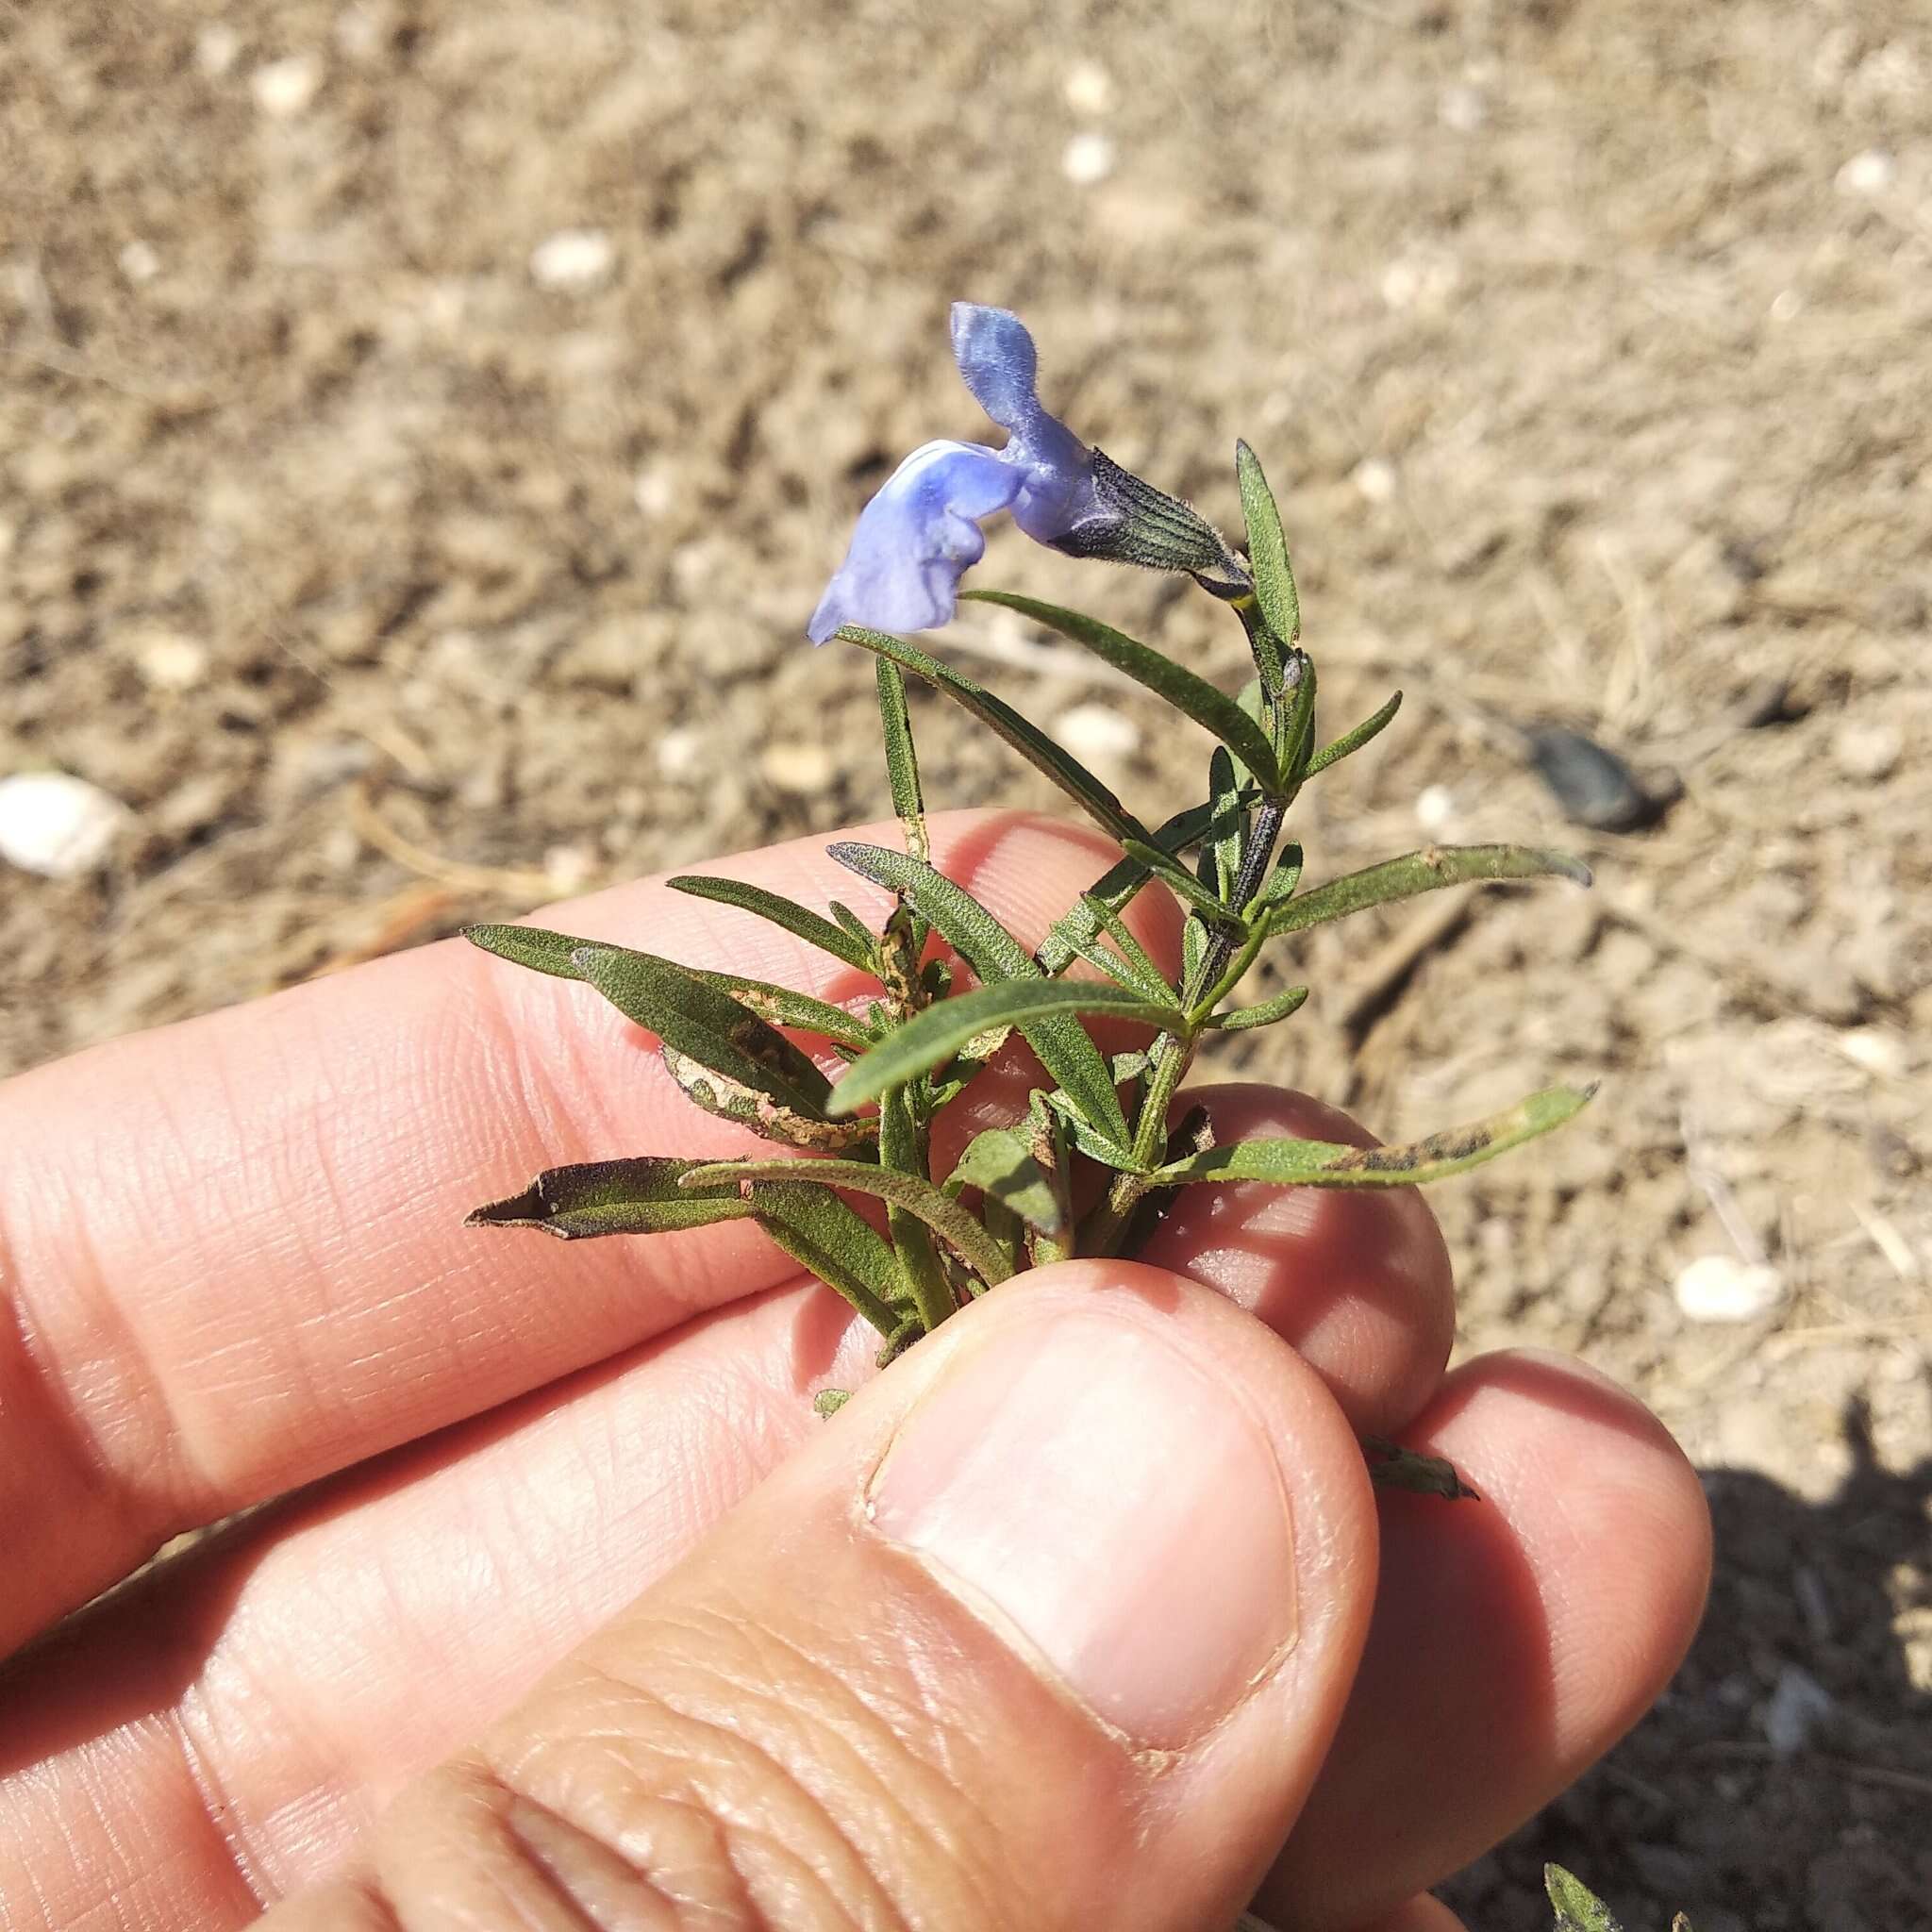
(581, 1617)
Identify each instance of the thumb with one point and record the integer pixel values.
(1049, 1627)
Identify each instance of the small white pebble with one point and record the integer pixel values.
(1088, 87)
(679, 751)
(568, 868)
(170, 662)
(1877, 1050)
(139, 262)
(56, 825)
(1722, 1288)
(1374, 479)
(1462, 108)
(1786, 305)
(1087, 159)
(1867, 751)
(796, 765)
(284, 88)
(1870, 173)
(216, 49)
(1799, 1703)
(1097, 734)
(573, 260)
(1435, 808)
(656, 488)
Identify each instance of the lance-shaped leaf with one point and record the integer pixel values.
(705, 1025)
(1002, 1163)
(1026, 737)
(1185, 690)
(600, 1197)
(946, 1216)
(1330, 1164)
(905, 1148)
(1245, 1018)
(1579, 1909)
(1267, 549)
(551, 953)
(1116, 889)
(1127, 962)
(1282, 882)
(799, 921)
(1181, 883)
(822, 1233)
(1421, 871)
(923, 1043)
(1064, 1049)
(902, 760)
(1295, 729)
(1353, 740)
(751, 1106)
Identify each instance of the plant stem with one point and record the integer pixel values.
(1173, 1053)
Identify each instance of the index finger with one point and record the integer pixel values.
(232, 1251)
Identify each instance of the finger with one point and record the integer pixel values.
(233, 1248)
(519, 1532)
(1357, 1279)
(1059, 1616)
(1515, 1640)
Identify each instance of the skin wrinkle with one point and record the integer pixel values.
(727, 1820)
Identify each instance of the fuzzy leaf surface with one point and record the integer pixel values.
(705, 1025)
(1353, 740)
(1064, 1048)
(1421, 871)
(1001, 1163)
(1579, 1909)
(801, 921)
(731, 1100)
(600, 1197)
(924, 1043)
(946, 1216)
(1330, 1164)
(1275, 588)
(1210, 706)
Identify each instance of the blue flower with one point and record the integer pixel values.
(921, 533)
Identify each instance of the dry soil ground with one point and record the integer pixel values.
(372, 566)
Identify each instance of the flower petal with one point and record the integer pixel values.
(996, 356)
(915, 539)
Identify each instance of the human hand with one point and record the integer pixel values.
(1024, 1637)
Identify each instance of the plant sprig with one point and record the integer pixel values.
(940, 984)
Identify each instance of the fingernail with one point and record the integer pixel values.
(1081, 1479)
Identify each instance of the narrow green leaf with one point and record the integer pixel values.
(1187, 692)
(1245, 1018)
(853, 928)
(1025, 738)
(1328, 1164)
(1421, 871)
(799, 921)
(1353, 740)
(1116, 889)
(550, 952)
(925, 1041)
(750, 1106)
(1579, 1909)
(600, 1197)
(995, 954)
(902, 760)
(822, 1233)
(529, 945)
(1001, 1163)
(704, 1024)
(1282, 881)
(904, 1148)
(946, 1216)
(1129, 961)
(1116, 1154)
(1297, 727)
(1268, 549)
(1181, 882)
